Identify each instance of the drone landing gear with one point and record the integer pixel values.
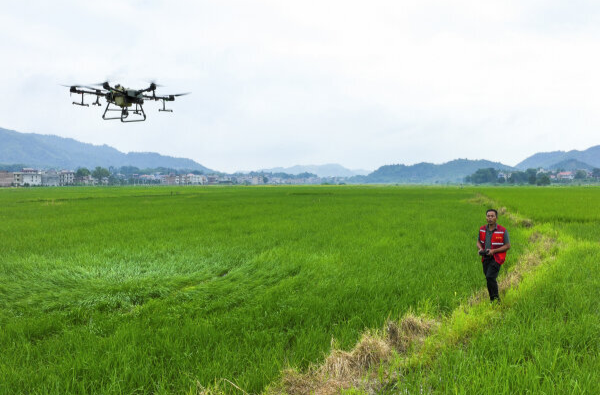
(165, 109)
(139, 110)
(82, 103)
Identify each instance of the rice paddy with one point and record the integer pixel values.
(545, 338)
(174, 290)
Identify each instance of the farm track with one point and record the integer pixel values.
(378, 362)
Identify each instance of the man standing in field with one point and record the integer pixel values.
(493, 243)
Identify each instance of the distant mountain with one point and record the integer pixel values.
(328, 170)
(590, 156)
(43, 151)
(428, 173)
(570, 165)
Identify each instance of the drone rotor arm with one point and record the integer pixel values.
(151, 88)
(80, 89)
(171, 97)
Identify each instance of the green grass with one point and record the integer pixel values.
(160, 290)
(545, 338)
(551, 204)
(156, 290)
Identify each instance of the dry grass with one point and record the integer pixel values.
(411, 330)
(358, 368)
(220, 387)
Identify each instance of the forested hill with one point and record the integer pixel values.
(38, 150)
(453, 171)
(590, 157)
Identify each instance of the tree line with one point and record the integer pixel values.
(530, 176)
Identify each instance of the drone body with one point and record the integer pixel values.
(122, 99)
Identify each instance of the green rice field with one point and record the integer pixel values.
(546, 339)
(171, 290)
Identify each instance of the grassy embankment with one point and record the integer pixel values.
(543, 338)
(167, 290)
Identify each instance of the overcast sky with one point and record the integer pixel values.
(280, 83)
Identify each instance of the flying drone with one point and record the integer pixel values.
(122, 100)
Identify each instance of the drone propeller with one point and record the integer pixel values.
(79, 86)
(166, 97)
(151, 88)
(101, 83)
(172, 97)
(105, 85)
(153, 83)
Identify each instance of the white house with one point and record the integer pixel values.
(66, 177)
(27, 177)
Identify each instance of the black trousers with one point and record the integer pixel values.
(491, 268)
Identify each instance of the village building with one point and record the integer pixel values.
(147, 178)
(565, 175)
(191, 179)
(6, 179)
(66, 177)
(27, 177)
(211, 180)
(171, 179)
(86, 180)
(50, 178)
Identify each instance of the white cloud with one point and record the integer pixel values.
(283, 83)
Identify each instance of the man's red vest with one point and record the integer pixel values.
(497, 241)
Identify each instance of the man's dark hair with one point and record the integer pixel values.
(492, 209)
